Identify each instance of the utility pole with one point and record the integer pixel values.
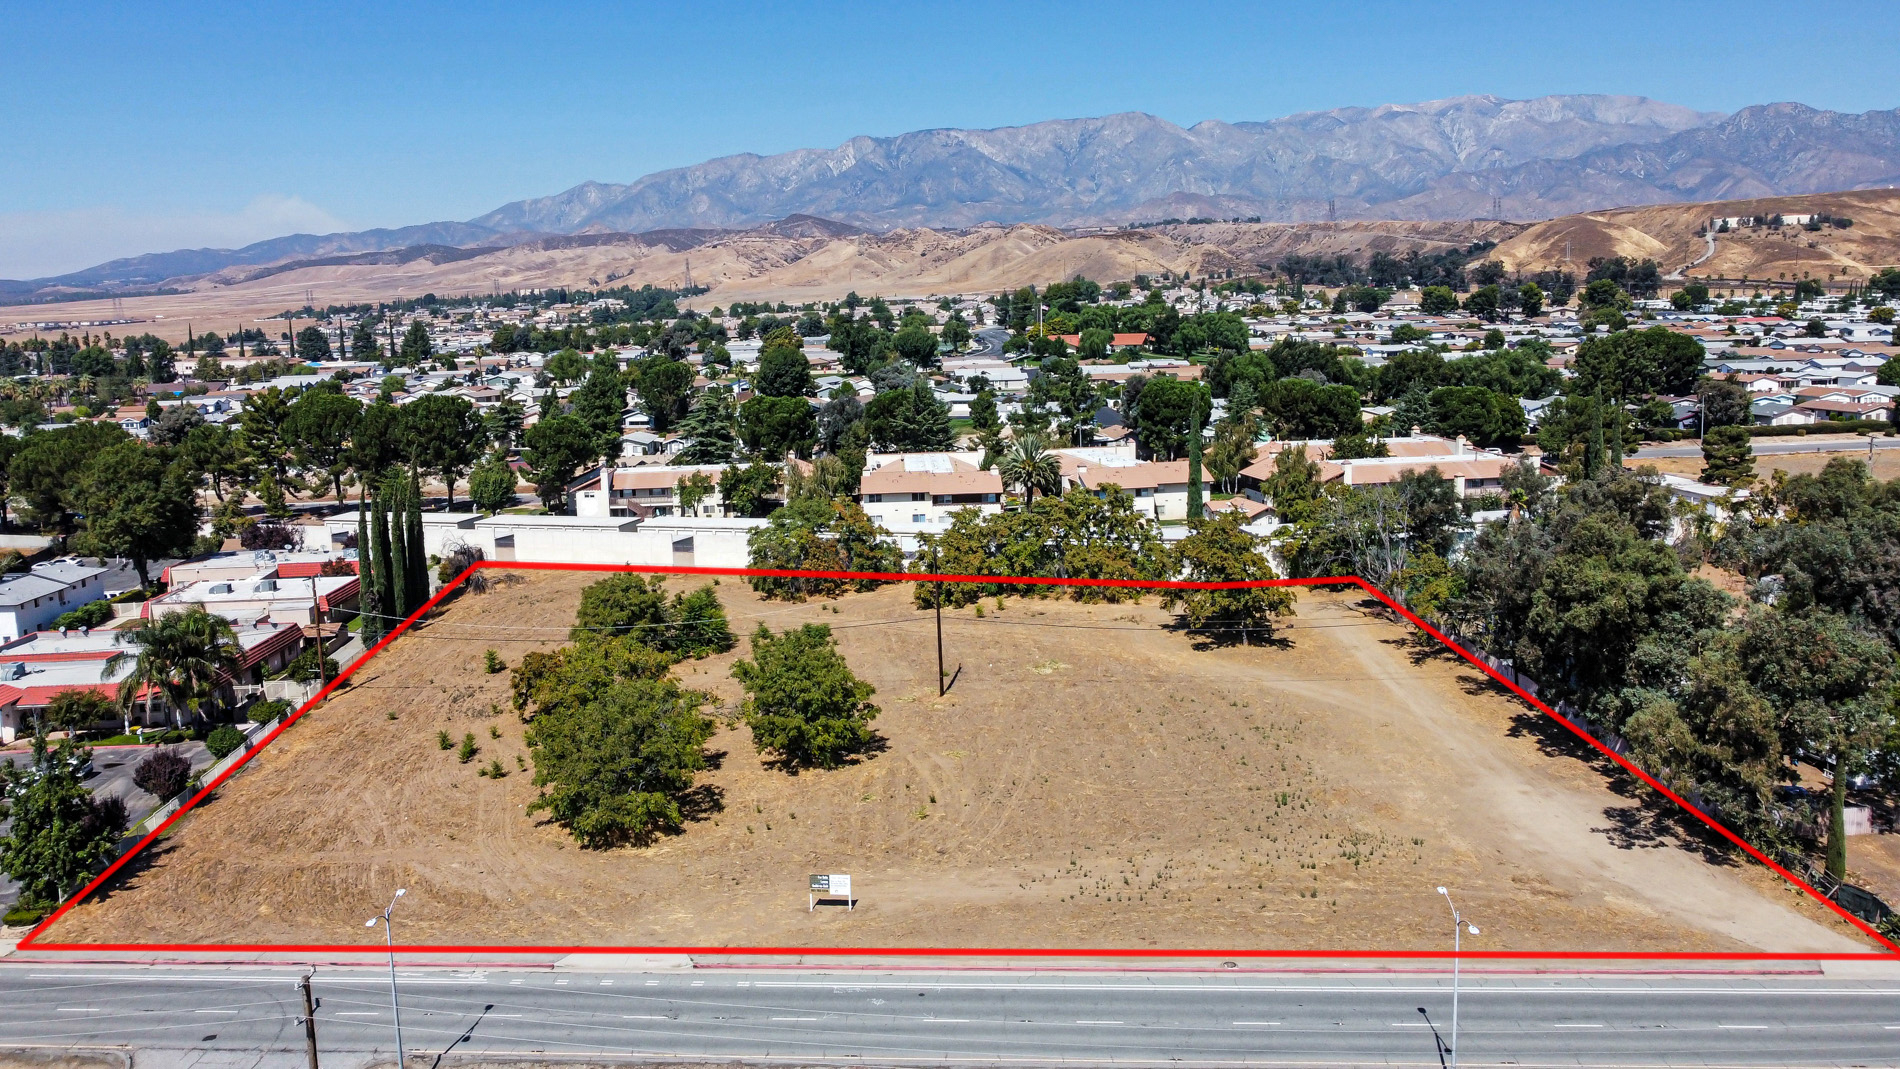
(934, 570)
(316, 615)
(309, 1021)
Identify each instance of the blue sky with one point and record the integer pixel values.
(129, 128)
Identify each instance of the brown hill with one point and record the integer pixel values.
(1667, 233)
(795, 261)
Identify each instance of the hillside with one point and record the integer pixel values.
(1667, 234)
(794, 260)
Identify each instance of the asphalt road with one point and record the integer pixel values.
(990, 341)
(962, 1017)
(1766, 446)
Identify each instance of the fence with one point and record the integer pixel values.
(165, 810)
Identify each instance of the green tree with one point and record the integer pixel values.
(491, 485)
(1484, 302)
(1530, 300)
(916, 344)
(819, 534)
(956, 331)
(45, 474)
(318, 429)
(1638, 363)
(1028, 467)
(983, 414)
(909, 420)
(1483, 416)
(78, 709)
(565, 366)
(557, 448)
(747, 491)
(417, 348)
(783, 369)
(379, 443)
(445, 437)
(1294, 486)
(775, 426)
(1219, 551)
(1165, 409)
(1437, 300)
(616, 769)
(710, 429)
(600, 403)
(262, 423)
(664, 387)
(1301, 408)
(313, 344)
(1728, 456)
(183, 657)
(803, 703)
(138, 507)
(60, 833)
(623, 605)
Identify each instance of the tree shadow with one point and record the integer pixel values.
(791, 766)
(127, 877)
(1226, 637)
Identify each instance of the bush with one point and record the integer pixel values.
(303, 667)
(223, 741)
(492, 662)
(443, 742)
(162, 774)
(91, 614)
(1845, 426)
(265, 712)
(468, 749)
(267, 535)
(23, 916)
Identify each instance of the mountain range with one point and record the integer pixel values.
(1464, 158)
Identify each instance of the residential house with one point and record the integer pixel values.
(912, 492)
(32, 599)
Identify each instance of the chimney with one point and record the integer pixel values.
(1462, 443)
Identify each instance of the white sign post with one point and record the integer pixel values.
(835, 885)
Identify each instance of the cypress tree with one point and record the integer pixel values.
(390, 559)
(366, 573)
(418, 553)
(1194, 458)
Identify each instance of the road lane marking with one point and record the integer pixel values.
(1411, 1024)
(644, 1017)
(944, 1020)
(359, 1013)
(214, 1011)
(1576, 1026)
(794, 1018)
(1748, 1026)
(79, 1009)
(1256, 1024)
(1098, 1022)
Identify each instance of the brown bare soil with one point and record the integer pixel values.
(1666, 233)
(1886, 463)
(1092, 780)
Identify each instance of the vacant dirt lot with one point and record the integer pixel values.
(1091, 780)
(1886, 462)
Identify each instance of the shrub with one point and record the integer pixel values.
(492, 662)
(303, 667)
(468, 749)
(223, 741)
(443, 742)
(267, 535)
(162, 774)
(91, 614)
(267, 711)
(23, 916)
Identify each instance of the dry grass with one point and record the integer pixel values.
(1092, 780)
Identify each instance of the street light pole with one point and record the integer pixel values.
(1457, 929)
(389, 935)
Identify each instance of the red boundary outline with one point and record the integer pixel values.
(31, 941)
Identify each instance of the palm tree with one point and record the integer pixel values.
(1028, 466)
(182, 655)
